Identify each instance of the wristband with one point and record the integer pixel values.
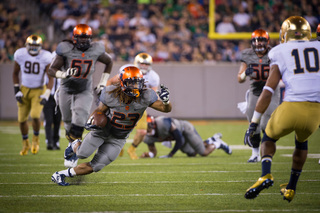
(60, 74)
(104, 79)
(243, 75)
(166, 103)
(256, 117)
(269, 89)
(151, 155)
(16, 88)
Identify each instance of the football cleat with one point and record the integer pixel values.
(35, 144)
(288, 194)
(224, 146)
(217, 136)
(70, 158)
(262, 183)
(59, 179)
(254, 159)
(132, 153)
(25, 147)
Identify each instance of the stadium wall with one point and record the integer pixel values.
(197, 91)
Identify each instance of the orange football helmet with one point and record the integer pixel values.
(82, 35)
(260, 40)
(151, 125)
(131, 81)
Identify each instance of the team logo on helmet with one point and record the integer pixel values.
(34, 44)
(143, 61)
(295, 28)
(131, 81)
(82, 35)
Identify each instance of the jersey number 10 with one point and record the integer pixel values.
(306, 53)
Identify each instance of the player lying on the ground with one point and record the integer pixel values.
(186, 136)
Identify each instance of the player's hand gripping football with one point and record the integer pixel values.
(164, 94)
(90, 126)
(249, 134)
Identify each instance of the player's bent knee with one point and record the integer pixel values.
(267, 138)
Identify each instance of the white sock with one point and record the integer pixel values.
(68, 172)
(255, 151)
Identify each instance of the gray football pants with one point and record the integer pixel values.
(75, 108)
(108, 149)
(193, 142)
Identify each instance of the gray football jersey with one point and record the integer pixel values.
(123, 117)
(83, 61)
(163, 125)
(261, 69)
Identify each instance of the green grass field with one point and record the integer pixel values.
(216, 183)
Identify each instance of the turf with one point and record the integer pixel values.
(216, 183)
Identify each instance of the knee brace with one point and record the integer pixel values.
(256, 140)
(74, 133)
(301, 145)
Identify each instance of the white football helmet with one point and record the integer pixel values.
(34, 44)
(143, 61)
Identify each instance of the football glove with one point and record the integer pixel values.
(71, 71)
(98, 89)
(89, 126)
(249, 134)
(164, 94)
(18, 94)
(45, 97)
(249, 70)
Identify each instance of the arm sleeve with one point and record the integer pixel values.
(177, 135)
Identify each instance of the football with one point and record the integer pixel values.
(99, 119)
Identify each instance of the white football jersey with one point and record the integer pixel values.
(152, 79)
(299, 64)
(32, 67)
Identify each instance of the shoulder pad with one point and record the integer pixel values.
(99, 47)
(64, 47)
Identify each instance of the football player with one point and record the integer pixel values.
(186, 138)
(296, 61)
(124, 105)
(255, 64)
(30, 91)
(75, 64)
(152, 80)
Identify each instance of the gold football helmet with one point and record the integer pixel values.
(34, 44)
(143, 61)
(295, 28)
